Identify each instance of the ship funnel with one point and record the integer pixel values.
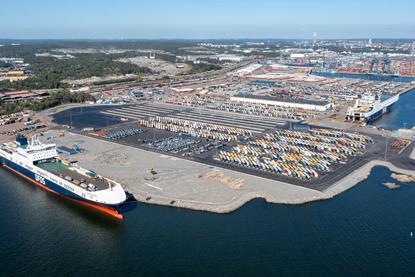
(22, 140)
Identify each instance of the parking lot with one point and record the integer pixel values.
(264, 146)
(143, 111)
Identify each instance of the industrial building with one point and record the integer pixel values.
(282, 102)
(230, 58)
(249, 69)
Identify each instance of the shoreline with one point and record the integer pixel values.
(348, 182)
(177, 184)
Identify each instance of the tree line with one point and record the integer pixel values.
(55, 99)
(49, 72)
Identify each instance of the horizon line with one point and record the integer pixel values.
(213, 38)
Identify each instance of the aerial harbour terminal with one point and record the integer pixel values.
(274, 128)
(207, 138)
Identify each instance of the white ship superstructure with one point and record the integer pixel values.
(369, 107)
(40, 164)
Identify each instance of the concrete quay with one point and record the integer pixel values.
(186, 184)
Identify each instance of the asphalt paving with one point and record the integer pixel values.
(101, 117)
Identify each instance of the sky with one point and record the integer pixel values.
(197, 19)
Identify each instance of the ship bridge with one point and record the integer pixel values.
(36, 151)
(369, 107)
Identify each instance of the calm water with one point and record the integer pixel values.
(366, 230)
(402, 113)
(363, 231)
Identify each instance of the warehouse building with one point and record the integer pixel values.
(283, 102)
(249, 69)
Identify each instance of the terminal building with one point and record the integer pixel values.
(282, 102)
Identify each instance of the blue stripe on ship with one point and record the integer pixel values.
(49, 184)
(378, 114)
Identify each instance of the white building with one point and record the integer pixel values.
(249, 69)
(297, 56)
(298, 104)
(81, 89)
(230, 57)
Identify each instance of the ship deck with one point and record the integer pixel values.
(61, 170)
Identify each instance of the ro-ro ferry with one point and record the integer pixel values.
(40, 164)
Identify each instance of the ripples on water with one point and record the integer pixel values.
(402, 113)
(365, 230)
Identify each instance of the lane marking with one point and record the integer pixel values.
(153, 186)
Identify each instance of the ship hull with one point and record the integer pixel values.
(379, 113)
(56, 189)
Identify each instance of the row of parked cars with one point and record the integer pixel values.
(123, 133)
